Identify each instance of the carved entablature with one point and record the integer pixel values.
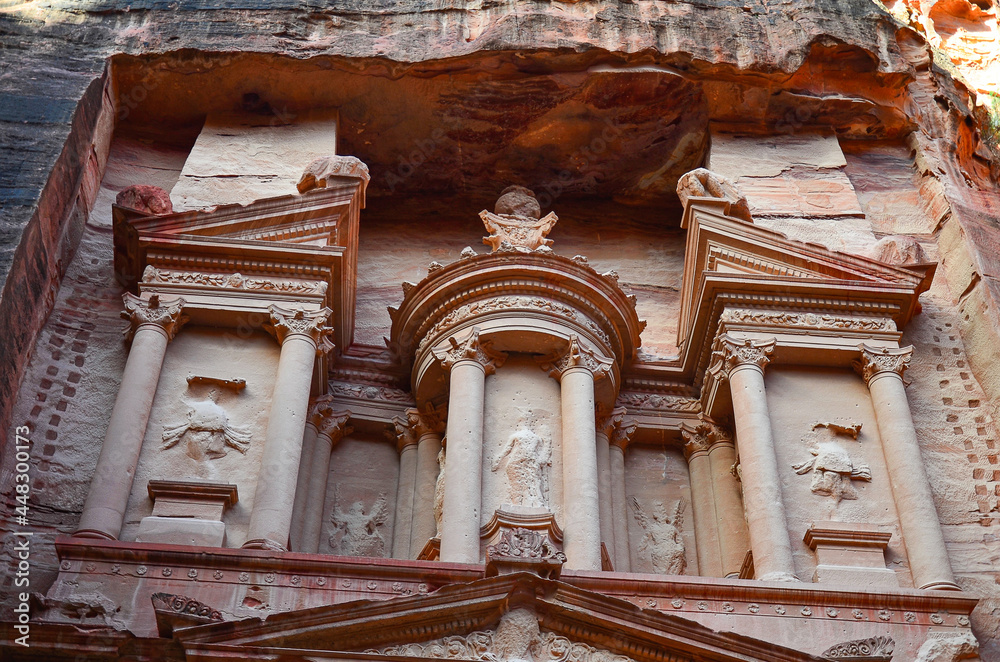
(877, 360)
(312, 325)
(166, 315)
(576, 356)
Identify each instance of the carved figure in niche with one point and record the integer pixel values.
(831, 465)
(526, 456)
(439, 488)
(357, 532)
(206, 431)
(662, 537)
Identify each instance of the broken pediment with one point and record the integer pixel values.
(506, 618)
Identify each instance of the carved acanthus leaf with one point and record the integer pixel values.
(471, 349)
(311, 324)
(233, 281)
(807, 320)
(731, 353)
(333, 424)
(701, 436)
(429, 420)
(608, 421)
(876, 360)
(164, 314)
(576, 355)
(873, 649)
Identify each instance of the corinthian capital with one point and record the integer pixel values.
(409, 430)
(608, 421)
(702, 435)
(330, 423)
(576, 356)
(471, 349)
(164, 314)
(730, 353)
(876, 360)
(299, 322)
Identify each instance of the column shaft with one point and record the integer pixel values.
(729, 518)
(318, 474)
(403, 524)
(604, 492)
(104, 510)
(703, 506)
(772, 547)
(619, 510)
(424, 526)
(463, 470)
(581, 506)
(302, 487)
(274, 497)
(911, 490)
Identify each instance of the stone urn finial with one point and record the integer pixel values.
(516, 225)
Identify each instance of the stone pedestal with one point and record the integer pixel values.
(852, 554)
(187, 513)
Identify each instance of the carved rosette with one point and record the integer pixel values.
(879, 360)
(286, 323)
(165, 314)
(702, 436)
(731, 353)
(576, 356)
(471, 349)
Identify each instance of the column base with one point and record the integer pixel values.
(93, 533)
(940, 586)
(264, 543)
(779, 576)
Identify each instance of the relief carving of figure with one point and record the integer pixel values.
(526, 456)
(358, 533)
(206, 431)
(661, 537)
(833, 470)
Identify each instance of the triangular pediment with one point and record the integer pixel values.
(510, 617)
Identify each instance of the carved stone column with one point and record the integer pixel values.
(303, 336)
(606, 424)
(621, 433)
(428, 426)
(402, 526)
(154, 323)
(576, 369)
(706, 531)
(302, 482)
(883, 370)
(742, 362)
(469, 362)
(331, 427)
(729, 516)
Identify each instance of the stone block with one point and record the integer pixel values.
(182, 531)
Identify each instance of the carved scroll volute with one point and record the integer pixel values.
(471, 349)
(878, 360)
(731, 353)
(287, 323)
(576, 356)
(699, 437)
(166, 315)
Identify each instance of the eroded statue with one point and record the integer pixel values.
(206, 432)
(832, 471)
(661, 537)
(358, 533)
(525, 458)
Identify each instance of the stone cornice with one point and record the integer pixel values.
(877, 360)
(167, 315)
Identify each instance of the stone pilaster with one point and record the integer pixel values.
(331, 427)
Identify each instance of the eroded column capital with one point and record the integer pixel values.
(731, 353)
(576, 355)
(608, 420)
(471, 349)
(167, 315)
(621, 429)
(700, 437)
(418, 423)
(876, 361)
(312, 325)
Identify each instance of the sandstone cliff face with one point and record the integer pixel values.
(452, 101)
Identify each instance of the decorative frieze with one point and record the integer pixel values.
(311, 324)
(232, 281)
(821, 321)
(164, 314)
(875, 360)
(471, 349)
(658, 402)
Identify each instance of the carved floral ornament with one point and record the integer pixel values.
(153, 311)
(286, 323)
(875, 361)
(821, 321)
(873, 649)
(234, 281)
(471, 349)
(576, 356)
(731, 353)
